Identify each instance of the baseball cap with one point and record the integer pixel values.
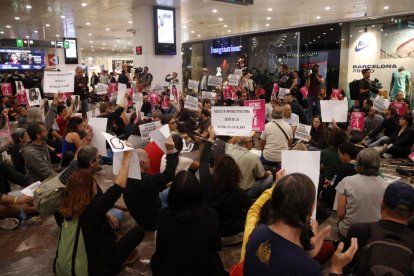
(399, 193)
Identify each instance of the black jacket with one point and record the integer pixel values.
(388, 125)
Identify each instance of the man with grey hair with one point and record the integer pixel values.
(81, 89)
(276, 137)
(250, 166)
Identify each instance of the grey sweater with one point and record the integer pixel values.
(37, 162)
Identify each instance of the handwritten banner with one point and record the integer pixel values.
(380, 104)
(55, 82)
(146, 129)
(193, 84)
(191, 102)
(233, 79)
(303, 132)
(214, 80)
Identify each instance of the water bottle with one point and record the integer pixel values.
(23, 220)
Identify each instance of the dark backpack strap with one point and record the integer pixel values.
(287, 138)
(75, 249)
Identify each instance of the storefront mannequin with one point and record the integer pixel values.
(400, 79)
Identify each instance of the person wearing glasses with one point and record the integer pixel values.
(250, 166)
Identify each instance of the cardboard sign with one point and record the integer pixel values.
(380, 104)
(336, 93)
(191, 103)
(401, 107)
(22, 98)
(33, 96)
(29, 190)
(357, 121)
(259, 114)
(337, 110)
(193, 84)
(146, 129)
(122, 89)
(98, 126)
(55, 82)
(232, 120)
(6, 89)
(282, 93)
(134, 170)
(214, 80)
(305, 162)
(101, 88)
(208, 95)
(116, 144)
(233, 79)
(303, 132)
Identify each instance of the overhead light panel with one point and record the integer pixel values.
(47, 25)
(87, 23)
(17, 18)
(8, 26)
(214, 11)
(84, 4)
(386, 7)
(28, 7)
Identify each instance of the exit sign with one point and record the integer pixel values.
(65, 44)
(19, 42)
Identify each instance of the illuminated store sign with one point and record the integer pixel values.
(221, 50)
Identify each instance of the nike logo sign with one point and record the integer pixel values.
(361, 46)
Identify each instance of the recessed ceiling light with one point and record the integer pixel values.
(124, 47)
(114, 45)
(117, 40)
(386, 7)
(103, 48)
(229, 31)
(184, 27)
(27, 36)
(129, 43)
(82, 49)
(107, 29)
(104, 43)
(91, 41)
(214, 11)
(324, 33)
(90, 34)
(192, 32)
(62, 16)
(270, 9)
(225, 26)
(343, 39)
(1, 32)
(57, 35)
(91, 46)
(327, 8)
(268, 18)
(198, 35)
(28, 7)
(35, 31)
(84, 4)
(318, 17)
(130, 22)
(87, 23)
(220, 19)
(47, 25)
(285, 36)
(331, 29)
(267, 25)
(93, 50)
(8, 26)
(17, 18)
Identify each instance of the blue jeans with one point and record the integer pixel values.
(314, 107)
(378, 140)
(259, 186)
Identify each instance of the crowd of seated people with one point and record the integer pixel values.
(224, 195)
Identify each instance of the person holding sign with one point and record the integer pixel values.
(313, 83)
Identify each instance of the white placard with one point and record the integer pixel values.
(29, 190)
(302, 132)
(233, 79)
(337, 110)
(117, 145)
(191, 103)
(380, 104)
(33, 96)
(121, 93)
(98, 141)
(157, 87)
(101, 88)
(238, 72)
(282, 93)
(214, 80)
(146, 129)
(55, 82)
(305, 162)
(193, 84)
(134, 170)
(208, 95)
(232, 120)
(89, 114)
(160, 135)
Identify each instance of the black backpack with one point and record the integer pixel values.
(386, 253)
(354, 89)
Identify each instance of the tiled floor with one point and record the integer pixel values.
(31, 252)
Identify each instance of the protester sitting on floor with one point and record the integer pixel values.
(205, 122)
(222, 192)
(20, 138)
(347, 153)
(250, 166)
(382, 133)
(76, 135)
(105, 255)
(36, 153)
(296, 108)
(330, 161)
(318, 134)
(187, 222)
(171, 121)
(359, 196)
(286, 246)
(142, 196)
(400, 99)
(116, 119)
(291, 118)
(402, 139)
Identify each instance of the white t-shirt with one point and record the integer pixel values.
(184, 164)
(275, 139)
(293, 120)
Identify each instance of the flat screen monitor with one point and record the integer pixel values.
(164, 31)
(19, 59)
(71, 53)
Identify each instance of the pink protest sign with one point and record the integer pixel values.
(131, 94)
(22, 98)
(336, 93)
(275, 89)
(165, 104)
(229, 92)
(113, 87)
(357, 121)
(304, 91)
(154, 99)
(260, 92)
(259, 114)
(401, 107)
(175, 93)
(411, 156)
(6, 89)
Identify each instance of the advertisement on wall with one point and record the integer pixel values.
(383, 50)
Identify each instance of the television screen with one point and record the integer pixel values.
(71, 53)
(164, 27)
(19, 59)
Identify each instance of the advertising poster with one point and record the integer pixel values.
(165, 22)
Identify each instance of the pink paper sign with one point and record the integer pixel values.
(275, 89)
(22, 98)
(304, 91)
(259, 114)
(401, 107)
(154, 99)
(175, 93)
(6, 89)
(113, 87)
(165, 104)
(357, 121)
(411, 156)
(336, 93)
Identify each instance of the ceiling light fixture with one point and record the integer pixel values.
(47, 25)
(87, 23)
(27, 36)
(8, 26)
(225, 26)
(17, 18)
(91, 41)
(62, 16)
(28, 7)
(192, 32)
(84, 4)
(270, 9)
(130, 22)
(35, 31)
(107, 29)
(318, 17)
(90, 34)
(199, 35)
(57, 35)
(327, 8)
(268, 18)
(220, 19)
(267, 25)
(214, 11)
(104, 43)
(386, 7)
(229, 31)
